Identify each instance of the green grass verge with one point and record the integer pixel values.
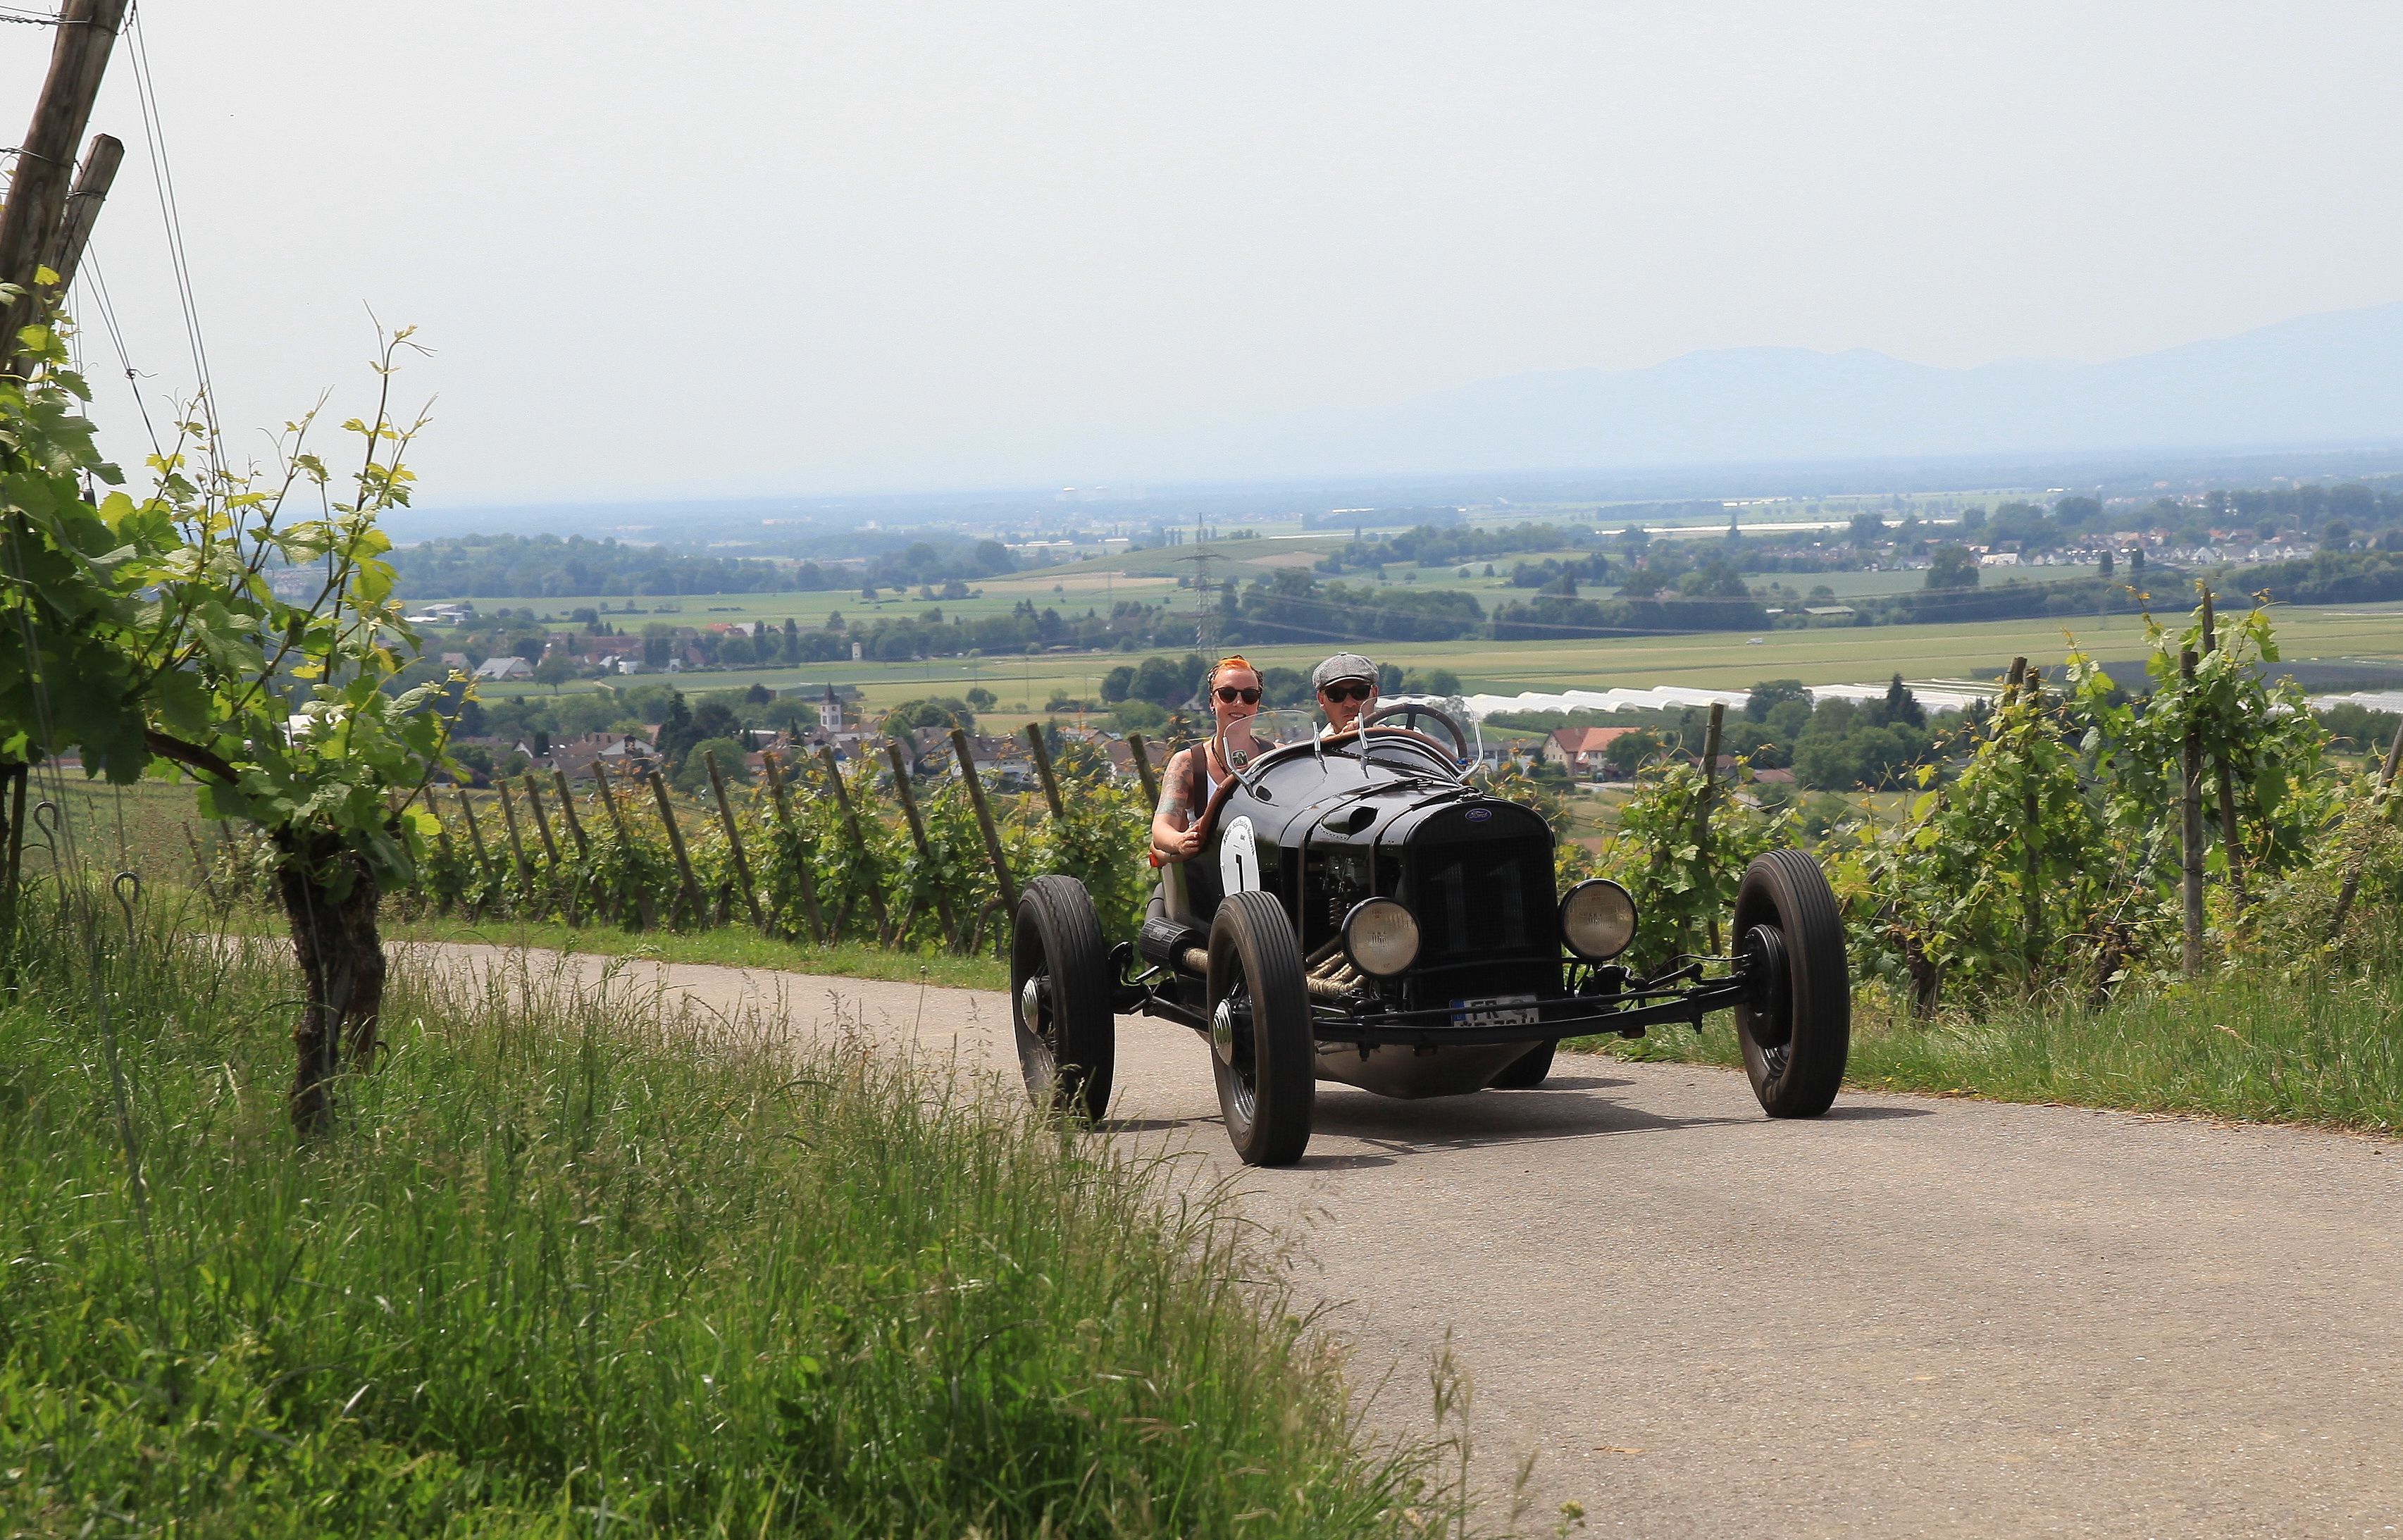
(2319, 1044)
(569, 1268)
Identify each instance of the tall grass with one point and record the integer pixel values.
(2318, 1041)
(579, 1266)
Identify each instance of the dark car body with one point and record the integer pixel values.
(1388, 814)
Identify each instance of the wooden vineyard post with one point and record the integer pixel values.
(549, 846)
(81, 40)
(734, 842)
(676, 843)
(918, 837)
(2030, 683)
(517, 846)
(92, 184)
(616, 819)
(858, 840)
(800, 855)
(567, 813)
(2191, 831)
(1143, 772)
(984, 825)
(644, 913)
(2231, 837)
(12, 787)
(2353, 872)
(476, 838)
(1042, 752)
(583, 846)
(1703, 804)
(542, 823)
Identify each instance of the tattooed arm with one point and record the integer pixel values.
(1172, 832)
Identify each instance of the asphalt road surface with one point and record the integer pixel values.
(1913, 1316)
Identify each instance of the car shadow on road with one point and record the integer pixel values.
(1575, 1107)
(1488, 1117)
(1846, 1113)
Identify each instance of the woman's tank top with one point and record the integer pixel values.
(1197, 763)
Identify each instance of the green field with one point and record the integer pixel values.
(1150, 575)
(1153, 575)
(1716, 660)
(152, 828)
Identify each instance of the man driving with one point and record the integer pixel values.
(1347, 688)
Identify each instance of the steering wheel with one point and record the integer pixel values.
(1410, 712)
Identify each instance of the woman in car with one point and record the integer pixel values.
(1234, 689)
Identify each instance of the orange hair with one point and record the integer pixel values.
(1232, 660)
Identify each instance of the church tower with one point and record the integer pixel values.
(829, 712)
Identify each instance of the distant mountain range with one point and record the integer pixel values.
(1736, 421)
(2332, 380)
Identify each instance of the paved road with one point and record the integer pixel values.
(1914, 1316)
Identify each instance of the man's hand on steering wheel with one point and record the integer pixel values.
(1410, 712)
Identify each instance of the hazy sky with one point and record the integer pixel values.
(713, 247)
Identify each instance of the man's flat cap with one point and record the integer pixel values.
(1344, 665)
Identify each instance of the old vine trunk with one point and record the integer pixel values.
(330, 897)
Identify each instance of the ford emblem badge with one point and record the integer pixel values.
(1479, 815)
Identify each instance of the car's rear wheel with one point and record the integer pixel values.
(1528, 1070)
(1796, 1028)
(1059, 998)
(1260, 1046)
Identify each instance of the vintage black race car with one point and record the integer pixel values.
(1362, 912)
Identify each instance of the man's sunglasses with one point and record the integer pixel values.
(1349, 692)
(1229, 694)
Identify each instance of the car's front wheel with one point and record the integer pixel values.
(1059, 998)
(1261, 1051)
(1796, 1028)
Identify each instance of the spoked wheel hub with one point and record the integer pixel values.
(1232, 1019)
(1033, 999)
(1230, 1041)
(1761, 954)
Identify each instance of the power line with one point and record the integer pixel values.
(107, 310)
(162, 178)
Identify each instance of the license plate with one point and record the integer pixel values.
(1500, 1010)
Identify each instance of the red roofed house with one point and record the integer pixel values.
(1581, 748)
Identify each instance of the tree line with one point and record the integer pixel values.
(550, 566)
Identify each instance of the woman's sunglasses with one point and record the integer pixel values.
(1348, 692)
(1229, 694)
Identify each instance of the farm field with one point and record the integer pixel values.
(152, 828)
(1719, 659)
(1152, 575)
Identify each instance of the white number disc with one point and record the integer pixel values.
(1239, 857)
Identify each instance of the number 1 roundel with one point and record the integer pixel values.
(1239, 857)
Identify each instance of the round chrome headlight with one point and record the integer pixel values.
(1380, 937)
(1597, 920)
